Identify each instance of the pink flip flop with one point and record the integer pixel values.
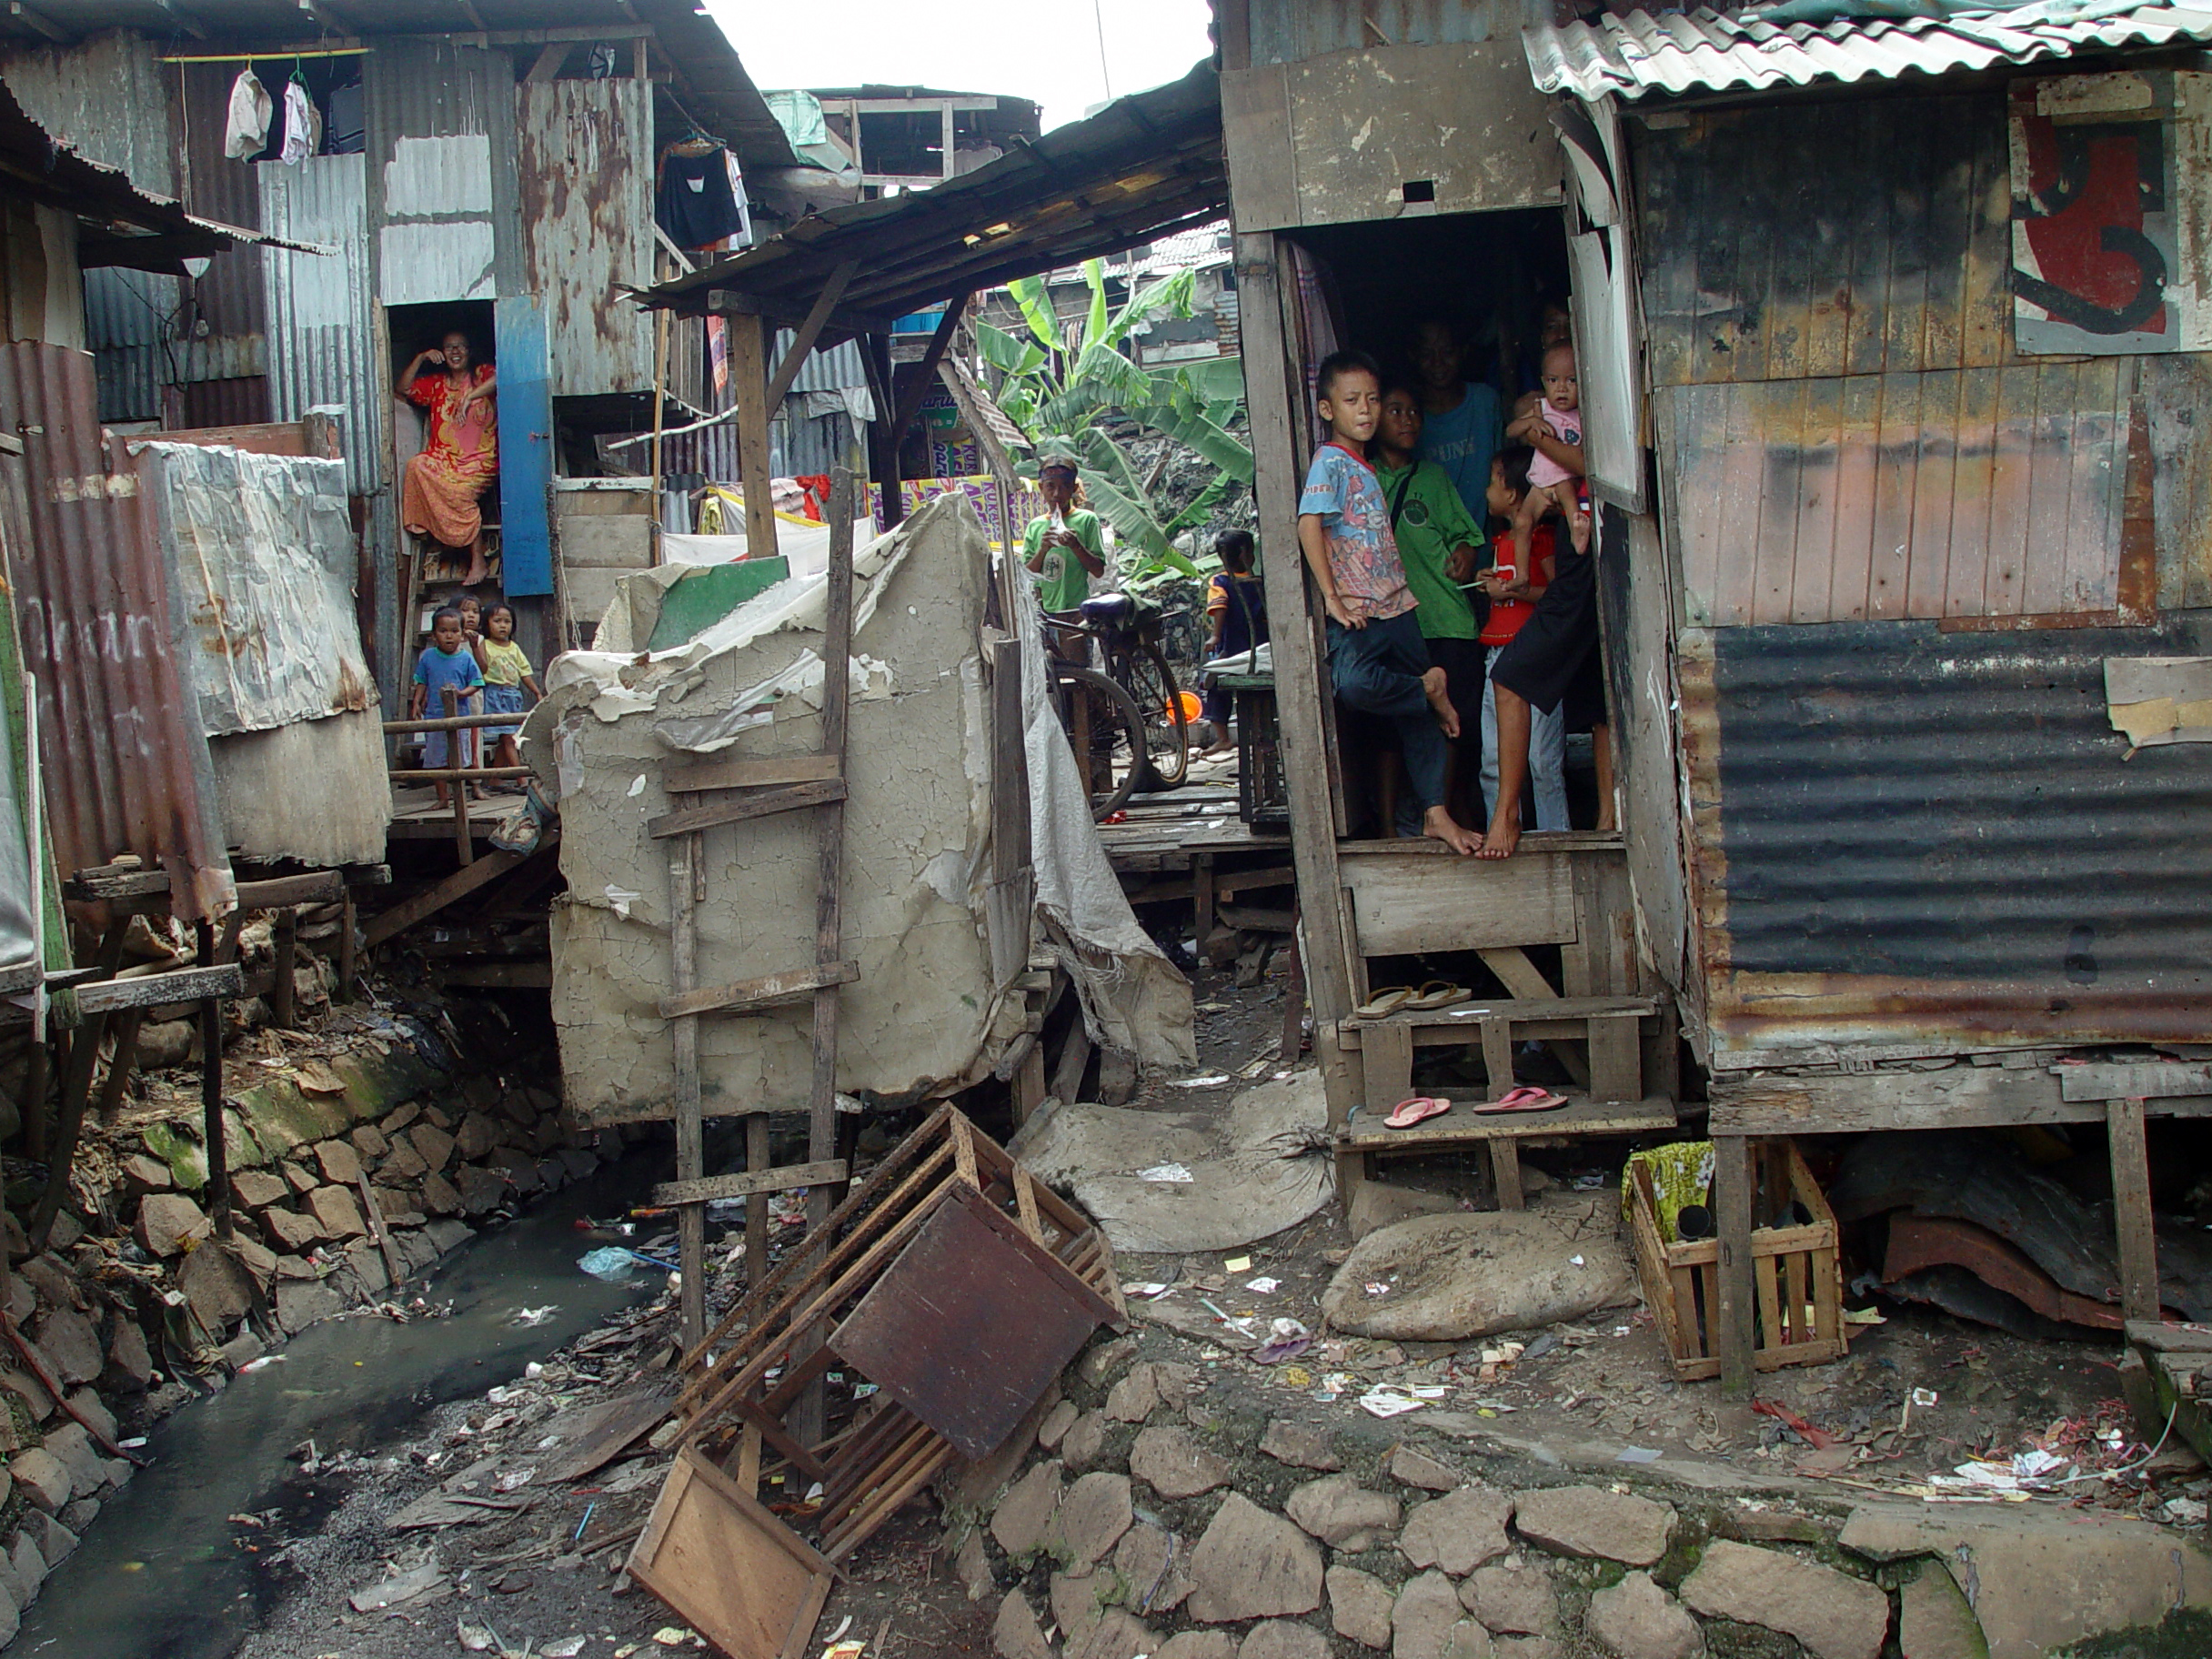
(1421, 1107)
(1526, 1097)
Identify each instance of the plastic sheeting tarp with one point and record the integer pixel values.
(260, 550)
(18, 923)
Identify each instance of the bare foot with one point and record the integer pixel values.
(1437, 821)
(1433, 687)
(1505, 833)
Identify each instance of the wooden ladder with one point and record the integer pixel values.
(709, 793)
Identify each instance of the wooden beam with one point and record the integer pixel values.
(748, 341)
(787, 1178)
(38, 20)
(476, 18)
(2139, 1240)
(1735, 1335)
(2163, 1081)
(183, 19)
(459, 885)
(925, 377)
(282, 892)
(808, 331)
(738, 808)
(749, 774)
(743, 996)
(153, 989)
(550, 58)
(684, 858)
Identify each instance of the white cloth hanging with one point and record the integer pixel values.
(303, 124)
(247, 132)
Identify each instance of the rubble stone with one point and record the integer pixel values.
(478, 1136)
(405, 1164)
(22, 1299)
(1343, 1514)
(43, 1479)
(1358, 1606)
(1468, 1640)
(448, 1235)
(1605, 1526)
(146, 1172)
(1511, 1599)
(1525, 1647)
(299, 1178)
(1174, 1466)
(256, 1189)
(1301, 1445)
(289, 1230)
(55, 1284)
(218, 1289)
(1283, 1638)
(1198, 1644)
(336, 1212)
(1250, 1565)
(1103, 1361)
(369, 1142)
(1116, 1635)
(1421, 1621)
(1458, 1531)
(439, 1196)
(481, 1191)
(29, 1563)
(1056, 1425)
(69, 1345)
(1409, 1467)
(1635, 1619)
(12, 1582)
(56, 1541)
(1155, 1565)
(1835, 1615)
(1135, 1397)
(1085, 1442)
(341, 1164)
(11, 1619)
(1019, 1522)
(1093, 1514)
(972, 1566)
(31, 1391)
(399, 1117)
(1075, 1606)
(1935, 1620)
(80, 1513)
(88, 1408)
(299, 1305)
(1015, 1633)
(432, 1145)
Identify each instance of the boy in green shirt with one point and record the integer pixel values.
(1438, 542)
(1064, 546)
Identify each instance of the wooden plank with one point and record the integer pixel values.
(786, 1178)
(1497, 1057)
(2150, 1083)
(1274, 383)
(1505, 1173)
(739, 808)
(1520, 1011)
(742, 774)
(1963, 1097)
(742, 996)
(1517, 973)
(153, 989)
(2138, 1241)
(807, 333)
(1386, 1063)
(683, 1034)
(1734, 1337)
(459, 885)
(1616, 1058)
(316, 886)
(748, 347)
(1463, 1126)
(1406, 906)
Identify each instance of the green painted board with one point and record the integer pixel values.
(705, 596)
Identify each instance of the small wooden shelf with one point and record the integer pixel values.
(1463, 1126)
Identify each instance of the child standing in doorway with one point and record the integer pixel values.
(445, 661)
(1378, 661)
(506, 673)
(1520, 570)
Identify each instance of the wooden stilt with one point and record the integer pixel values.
(211, 1096)
(2139, 1240)
(1735, 1324)
(283, 937)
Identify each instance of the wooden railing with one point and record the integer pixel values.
(459, 777)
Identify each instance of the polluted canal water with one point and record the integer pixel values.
(165, 1574)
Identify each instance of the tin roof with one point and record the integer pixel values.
(1633, 54)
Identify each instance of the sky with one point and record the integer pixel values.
(1043, 50)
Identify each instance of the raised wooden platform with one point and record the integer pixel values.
(418, 816)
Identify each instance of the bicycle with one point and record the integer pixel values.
(1129, 630)
(1104, 730)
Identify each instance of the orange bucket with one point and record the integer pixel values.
(1192, 707)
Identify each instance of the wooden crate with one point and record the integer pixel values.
(1796, 1277)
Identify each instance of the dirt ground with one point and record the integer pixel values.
(1583, 1394)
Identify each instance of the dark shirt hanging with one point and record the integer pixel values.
(695, 204)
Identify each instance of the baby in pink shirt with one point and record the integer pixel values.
(1554, 428)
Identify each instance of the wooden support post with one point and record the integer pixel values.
(1293, 996)
(749, 392)
(349, 946)
(120, 1066)
(925, 373)
(1735, 1324)
(77, 1091)
(2138, 1241)
(457, 745)
(684, 854)
(283, 938)
(1074, 1059)
(211, 1095)
(882, 451)
(757, 1160)
(808, 331)
(1202, 897)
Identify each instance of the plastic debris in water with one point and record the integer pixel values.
(527, 1317)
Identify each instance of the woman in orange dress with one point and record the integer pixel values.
(438, 498)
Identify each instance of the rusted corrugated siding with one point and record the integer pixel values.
(1289, 31)
(584, 158)
(1986, 492)
(322, 332)
(229, 297)
(1908, 840)
(122, 759)
(427, 89)
(1809, 240)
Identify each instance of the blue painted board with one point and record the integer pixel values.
(525, 444)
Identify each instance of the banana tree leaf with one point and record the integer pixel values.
(1094, 325)
(1035, 302)
(1193, 431)
(1017, 359)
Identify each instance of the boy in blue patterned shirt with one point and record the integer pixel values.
(1378, 661)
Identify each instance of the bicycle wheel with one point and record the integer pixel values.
(1115, 734)
(1167, 727)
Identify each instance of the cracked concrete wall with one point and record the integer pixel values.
(925, 1012)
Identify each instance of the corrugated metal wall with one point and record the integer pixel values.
(322, 329)
(107, 98)
(229, 299)
(585, 160)
(439, 199)
(1924, 841)
(122, 759)
(1287, 31)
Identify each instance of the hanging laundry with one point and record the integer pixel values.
(246, 134)
(695, 204)
(303, 124)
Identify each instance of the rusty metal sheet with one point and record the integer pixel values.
(971, 1325)
(1907, 840)
(123, 764)
(584, 154)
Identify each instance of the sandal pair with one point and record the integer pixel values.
(1420, 1108)
(1427, 997)
(1527, 1097)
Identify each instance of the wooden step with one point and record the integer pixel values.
(1518, 1009)
(1462, 1126)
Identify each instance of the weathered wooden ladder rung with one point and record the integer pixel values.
(753, 803)
(830, 1173)
(753, 996)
